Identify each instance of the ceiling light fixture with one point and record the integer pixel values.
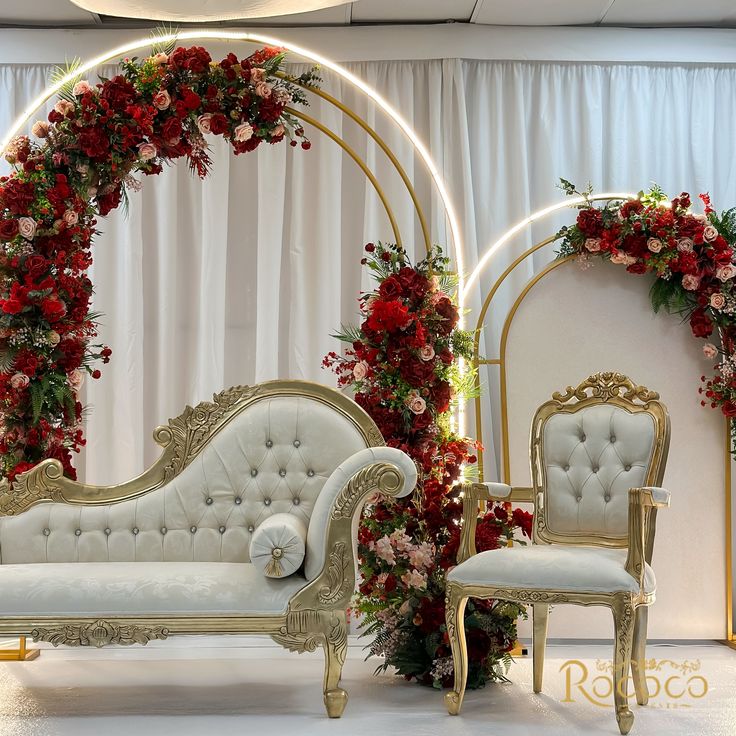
(203, 11)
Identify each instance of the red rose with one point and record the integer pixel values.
(53, 309)
(390, 288)
(388, 315)
(94, 143)
(26, 362)
(11, 306)
(632, 207)
(449, 314)
(17, 196)
(8, 229)
(700, 323)
(36, 266)
(390, 584)
(218, 124)
(441, 396)
(118, 92)
(106, 203)
(638, 267)
(416, 372)
(590, 222)
(171, 129)
(729, 409)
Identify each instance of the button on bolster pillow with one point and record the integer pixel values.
(278, 545)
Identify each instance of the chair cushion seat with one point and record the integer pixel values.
(552, 567)
(141, 588)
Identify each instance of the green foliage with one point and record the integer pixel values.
(349, 334)
(164, 39)
(61, 72)
(668, 293)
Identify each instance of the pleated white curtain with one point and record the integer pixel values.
(243, 277)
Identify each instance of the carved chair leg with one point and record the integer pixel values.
(335, 646)
(638, 655)
(455, 618)
(540, 613)
(623, 621)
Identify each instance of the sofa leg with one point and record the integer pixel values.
(335, 646)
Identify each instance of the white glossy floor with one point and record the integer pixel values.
(249, 686)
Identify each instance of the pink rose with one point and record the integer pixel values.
(414, 579)
(19, 380)
(690, 282)
(426, 352)
(709, 233)
(717, 301)
(75, 380)
(162, 100)
(685, 245)
(147, 151)
(415, 403)
(40, 129)
(257, 75)
(709, 350)
(159, 59)
(81, 87)
(63, 107)
(593, 244)
(360, 371)
(243, 132)
(278, 130)
(263, 90)
(724, 273)
(71, 218)
(27, 227)
(655, 245)
(204, 122)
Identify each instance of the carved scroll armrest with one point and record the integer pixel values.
(473, 494)
(643, 505)
(333, 524)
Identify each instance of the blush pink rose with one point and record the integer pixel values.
(415, 403)
(263, 90)
(75, 379)
(40, 129)
(19, 380)
(243, 132)
(278, 130)
(27, 227)
(71, 218)
(709, 233)
(717, 300)
(655, 245)
(147, 151)
(64, 106)
(159, 59)
(724, 273)
(690, 282)
(257, 75)
(685, 245)
(81, 87)
(204, 122)
(593, 244)
(426, 352)
(709, 350)
(162, 100)
(360, 371)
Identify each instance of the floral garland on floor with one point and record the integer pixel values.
(692, 258)
(80, 165)
(402, 365)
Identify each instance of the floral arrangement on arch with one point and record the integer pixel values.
(691, 256)
(78, 165)
(402, 365)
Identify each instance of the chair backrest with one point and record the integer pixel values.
(589, 446)
(227, 465)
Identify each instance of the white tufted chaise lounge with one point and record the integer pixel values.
(169, 552)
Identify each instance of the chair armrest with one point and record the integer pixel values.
(473, 494)
(337, 508)
(643, 505)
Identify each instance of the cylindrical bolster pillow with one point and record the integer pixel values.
(278, 545)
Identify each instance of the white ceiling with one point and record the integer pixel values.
(700, 13)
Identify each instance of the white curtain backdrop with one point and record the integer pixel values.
(243, 277)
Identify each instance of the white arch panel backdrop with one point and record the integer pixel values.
(243, 277)
(602, 320)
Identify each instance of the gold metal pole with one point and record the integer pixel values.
(358, 160)
(21, 654)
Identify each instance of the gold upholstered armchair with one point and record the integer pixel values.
(597, 456)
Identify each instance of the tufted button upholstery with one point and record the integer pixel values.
(78, 532)
(282, 473)
(591, 459)
(226, 485)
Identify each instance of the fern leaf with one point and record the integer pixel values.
(164, 39)
(37, 396)
(348, 333)
(66, 72)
